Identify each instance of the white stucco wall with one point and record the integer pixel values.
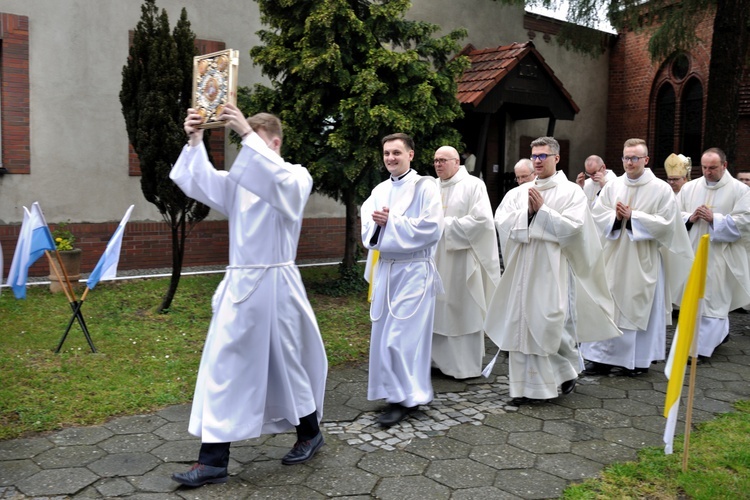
(79, 146)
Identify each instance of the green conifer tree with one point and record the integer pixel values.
(156, 91)
(345, 73)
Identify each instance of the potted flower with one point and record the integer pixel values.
(69, 255)
(64, 238)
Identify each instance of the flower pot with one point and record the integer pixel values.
(71, 260)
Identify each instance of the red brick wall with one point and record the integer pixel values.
(742, 162)
(14, 65)
(743, 133)
(148, 244)
(633, 82)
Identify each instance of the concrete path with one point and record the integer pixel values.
(469, 443)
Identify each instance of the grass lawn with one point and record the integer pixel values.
(145, 360)
(718, 466)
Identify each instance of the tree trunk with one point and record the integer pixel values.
(178, 252)
(729, 48)
(351, 237)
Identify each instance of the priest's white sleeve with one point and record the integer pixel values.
(198, 179)
(724, 230)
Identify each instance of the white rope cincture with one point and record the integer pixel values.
(437, 286)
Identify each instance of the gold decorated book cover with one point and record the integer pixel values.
(214, 84)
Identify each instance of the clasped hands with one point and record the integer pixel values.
(703, 212)
(231, 115)
(623, 211)
(535, 201)
(380, 217)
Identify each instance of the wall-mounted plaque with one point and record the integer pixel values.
(214, 84)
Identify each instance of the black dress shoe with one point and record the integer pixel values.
(395, 414)
(634, 372)
(519, 401)
(302, 451)
(596, 368)
(568, 386)
(200, 474)
(699, 361)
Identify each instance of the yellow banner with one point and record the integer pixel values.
(687, 324)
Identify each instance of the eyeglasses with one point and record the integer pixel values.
(443, 161)
(540, 157)
(522, 177)
(633, 159)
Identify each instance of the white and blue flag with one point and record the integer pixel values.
(35, 238)
(107, 266)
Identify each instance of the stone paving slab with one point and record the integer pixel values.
(471, 442)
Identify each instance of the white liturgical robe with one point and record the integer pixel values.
(646, 267)
(552, 293)
(728, 276)
(263, 365)
(405, 284)
(591, 189)
(468, 261)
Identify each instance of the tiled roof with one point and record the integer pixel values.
(489, 66)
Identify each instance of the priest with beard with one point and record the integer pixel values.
(719, 205)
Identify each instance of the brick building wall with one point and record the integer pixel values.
(148, 244)
(14, 68)
(634, 81)
(743, 133)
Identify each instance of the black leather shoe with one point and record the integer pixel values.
(635, 371)
(699, 361)
(568, 386)
(395, 414)
(302, 451)
(595, 368)
(200, 474)
(519, 401)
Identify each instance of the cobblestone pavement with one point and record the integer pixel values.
(470, 442)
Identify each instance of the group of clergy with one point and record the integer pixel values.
(592, 271)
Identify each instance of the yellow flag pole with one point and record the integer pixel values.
(689, 414)
(703, 250)
(67, 279)
(684, 346)
(691, 390)
(75, 304)
(57, 273)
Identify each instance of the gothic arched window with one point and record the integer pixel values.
(666, 109)
(677, 111)
(691, 121)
